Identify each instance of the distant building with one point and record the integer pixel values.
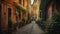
(35, 8)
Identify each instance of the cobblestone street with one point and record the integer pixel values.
(31, 28)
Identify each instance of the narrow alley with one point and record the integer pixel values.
(29, 16)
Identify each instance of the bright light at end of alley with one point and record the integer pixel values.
(32, 1)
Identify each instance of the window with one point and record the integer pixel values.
(20, 1)
(9, 11)
(23, 2)
(35, 0)
(9, 17)
(0, 15)
(0, 12)
(20, 14)
(1, 0)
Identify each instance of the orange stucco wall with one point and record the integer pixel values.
(13, 15)
(5, 14)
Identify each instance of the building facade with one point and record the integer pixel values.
(7, 13)
(12, 12)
